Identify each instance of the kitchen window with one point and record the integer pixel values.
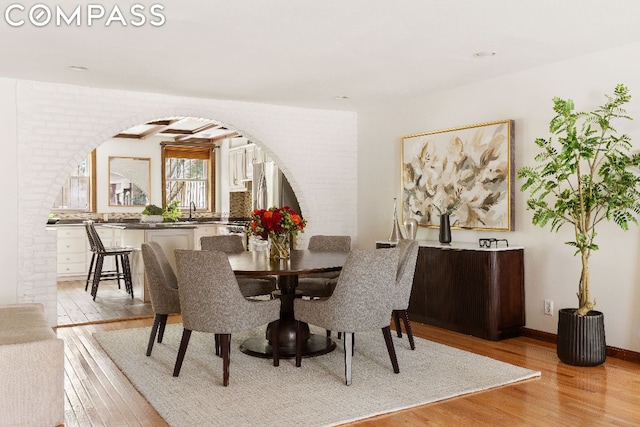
(78, 192)
(187, 176)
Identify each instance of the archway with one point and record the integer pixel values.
(58, 125)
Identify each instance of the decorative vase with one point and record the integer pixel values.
(396, 232)
(445, 229)
(581, 339)
(279, 246)
(411, 228)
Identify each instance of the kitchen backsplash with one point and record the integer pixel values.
(240, 204)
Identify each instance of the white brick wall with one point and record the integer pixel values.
(59, 124)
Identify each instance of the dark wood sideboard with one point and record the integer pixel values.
(472, 290)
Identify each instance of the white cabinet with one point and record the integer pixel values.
(72, 251)
(237, 170)
(241, 160)
(171, 239)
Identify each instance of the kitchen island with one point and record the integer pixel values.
(74, 252)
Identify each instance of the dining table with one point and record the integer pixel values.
(258, 263)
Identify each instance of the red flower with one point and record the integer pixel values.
(276, 220)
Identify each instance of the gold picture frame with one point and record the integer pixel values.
(466, 171)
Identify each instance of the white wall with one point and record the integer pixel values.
(57, 125)
(9, 179)
(551, 270)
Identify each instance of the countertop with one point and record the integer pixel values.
(460, 245)
(137, 225)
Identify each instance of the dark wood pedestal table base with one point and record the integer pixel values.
(301, 262)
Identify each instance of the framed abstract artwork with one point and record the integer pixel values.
(466, 172)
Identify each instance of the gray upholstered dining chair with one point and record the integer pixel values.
(231, 244)
(211, 302)
(163, 289)
(404, 282)
(321, 285)
(360, 302)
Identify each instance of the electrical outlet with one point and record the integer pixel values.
(548, 307)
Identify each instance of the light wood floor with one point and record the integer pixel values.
(97, 393)
(76, 306)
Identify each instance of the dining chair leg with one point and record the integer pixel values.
(184, 342)
(119, 275)
(154, 330)
(407, 328)
(216, 339)
(93, 259)
(97, 272)
(396, 321)
(126, 268)
(163, 324)
(386, 331)
(225, 340)
(298, 343)
(275, 342)
(348, 356)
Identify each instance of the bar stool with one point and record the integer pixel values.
(99, 252)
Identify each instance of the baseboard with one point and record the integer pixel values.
(618, 353)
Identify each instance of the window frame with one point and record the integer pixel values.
(191, 151)
(91, 188)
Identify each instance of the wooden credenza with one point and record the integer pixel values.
(472, 290)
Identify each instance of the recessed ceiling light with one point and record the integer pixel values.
(484, 54)
(78, 68)
(342, 97)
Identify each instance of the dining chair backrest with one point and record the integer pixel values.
(210, 297)
(362, 298)
(227, 243)
(91, 233)
(161, 279)
(408, 256)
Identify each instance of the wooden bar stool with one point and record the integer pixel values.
(96, 274)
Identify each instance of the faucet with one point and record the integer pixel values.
(192, 208)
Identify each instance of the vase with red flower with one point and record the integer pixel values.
(277, 225)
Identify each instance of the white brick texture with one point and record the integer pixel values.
(60, 124)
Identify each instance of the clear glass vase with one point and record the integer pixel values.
(279, 246)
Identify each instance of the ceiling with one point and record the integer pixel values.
(187, 131)
(306, 53)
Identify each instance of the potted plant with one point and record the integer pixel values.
(152, 213)
(585, 176)
(172, 212)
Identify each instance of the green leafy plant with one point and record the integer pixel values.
(152, 210)
(585, 176)
(172, 212)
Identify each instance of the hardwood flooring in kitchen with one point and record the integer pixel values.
(76, 306)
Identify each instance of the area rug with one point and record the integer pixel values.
(315, 394)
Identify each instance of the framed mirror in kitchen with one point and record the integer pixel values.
(129, 181)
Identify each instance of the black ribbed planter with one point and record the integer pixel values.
(581, 340)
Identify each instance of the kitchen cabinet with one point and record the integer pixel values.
(237, 170)
(72, 247)
(74, 253)
(168, 238)
(476, 291)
